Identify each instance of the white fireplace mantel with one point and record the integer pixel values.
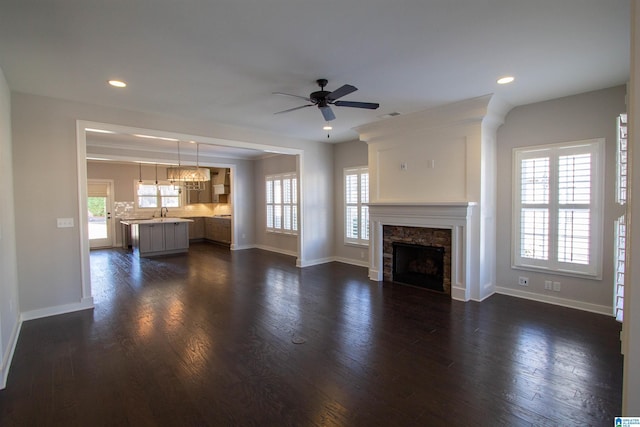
(455, 216)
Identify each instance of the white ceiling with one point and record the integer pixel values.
(220, 60)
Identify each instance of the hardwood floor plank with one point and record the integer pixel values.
(209, 338)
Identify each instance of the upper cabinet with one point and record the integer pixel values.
(200, 196)
(220, 184)
(215, 191)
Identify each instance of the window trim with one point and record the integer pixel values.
(593, 270)
(360, 241)
(181, 196)
(295, 204)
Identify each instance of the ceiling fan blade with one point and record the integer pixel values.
(341, 91)
(294, 109)
(295, 96)
(327, 112)
(367, 105)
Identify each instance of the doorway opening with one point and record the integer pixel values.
(99, 208)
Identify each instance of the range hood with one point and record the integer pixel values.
(220, 189)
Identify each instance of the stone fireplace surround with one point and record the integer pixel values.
(453, 216)
(429, 237)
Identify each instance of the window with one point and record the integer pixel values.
(558, 207)
(620, 246)
(150, 195)
(282, 203)
(621, 157)
(619, 254)
(356, 215)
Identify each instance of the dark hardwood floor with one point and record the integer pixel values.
(211, 339)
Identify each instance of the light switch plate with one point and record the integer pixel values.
(65, 222)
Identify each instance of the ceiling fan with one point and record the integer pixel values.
(324, 99)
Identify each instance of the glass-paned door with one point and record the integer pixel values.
(99, 213)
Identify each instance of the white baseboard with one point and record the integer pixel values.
(276, 250)
(235, 247)
(309, 263)
(550, 299)
(8, 355)
(351, 261)
(459, 294)
(85, 304)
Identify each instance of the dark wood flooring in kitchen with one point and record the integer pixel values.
(208, 339)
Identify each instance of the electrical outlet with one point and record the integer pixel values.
(548, 285)
(556, 286)
(523, 281)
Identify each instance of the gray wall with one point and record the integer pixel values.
(44, 140)
(123, 176)
(584, 116)
(347, 154)
(316, 197)
(271, 165)
(9, 313)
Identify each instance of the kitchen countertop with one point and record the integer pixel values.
(154, 221)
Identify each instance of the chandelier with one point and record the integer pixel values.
(191, 177)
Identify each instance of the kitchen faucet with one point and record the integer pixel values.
(166, 212)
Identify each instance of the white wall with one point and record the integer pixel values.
(439, 155)
(573, 118)
(44, 140)
(9, 310)
(347, 154)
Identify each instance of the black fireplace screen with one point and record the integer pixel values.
(419, 265)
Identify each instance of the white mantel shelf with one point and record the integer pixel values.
(433, 211)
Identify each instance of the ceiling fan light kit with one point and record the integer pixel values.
(324, 99)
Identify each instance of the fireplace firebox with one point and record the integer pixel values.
(419, 265)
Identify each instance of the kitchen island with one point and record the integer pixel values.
(159, 236)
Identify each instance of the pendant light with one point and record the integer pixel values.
(193, 177)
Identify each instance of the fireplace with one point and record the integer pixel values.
(445, 225)
(419, 265)
(418, 256)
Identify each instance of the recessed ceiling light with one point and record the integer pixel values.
(504, 80)
(117, 83)
(327, 127)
